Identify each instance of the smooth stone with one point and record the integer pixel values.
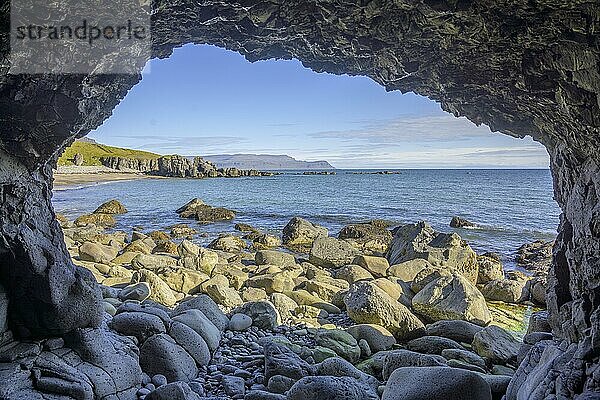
(460, 331)
(330, 388)
(240, 322)
(173, 391)
(191, 342)
(208, 307)
(140, 325)
(139, 291)
(378, 338)
(161, 355)
(432, 344)
(496, 345)
(405, 358)
(435, 383)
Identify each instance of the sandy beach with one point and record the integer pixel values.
(65, 177)
(66, 180)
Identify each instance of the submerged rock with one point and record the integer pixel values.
(458, 222)
(112, 207)
(204, 213)
(104, 220)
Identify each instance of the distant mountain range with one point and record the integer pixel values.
(266, 162)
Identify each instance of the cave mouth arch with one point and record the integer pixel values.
(184, 75)
(522, 69)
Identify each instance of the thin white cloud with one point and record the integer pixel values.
(423, 128)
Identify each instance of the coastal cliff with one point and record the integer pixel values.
(267, 162)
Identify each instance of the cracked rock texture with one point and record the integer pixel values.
(523, 68)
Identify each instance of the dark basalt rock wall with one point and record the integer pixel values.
(522, 67)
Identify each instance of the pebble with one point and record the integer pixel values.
(159, 380)
(240, 322)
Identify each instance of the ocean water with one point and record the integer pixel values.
(511, 207)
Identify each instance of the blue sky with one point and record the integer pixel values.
(205, 100)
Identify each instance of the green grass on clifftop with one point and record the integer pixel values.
(92, 152)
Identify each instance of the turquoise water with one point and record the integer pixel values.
(512, 207)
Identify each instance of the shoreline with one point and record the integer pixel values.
(73, 180)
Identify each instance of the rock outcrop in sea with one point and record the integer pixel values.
(177, 167)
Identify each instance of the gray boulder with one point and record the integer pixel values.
(239, 322)
(138, 324)
(406, 358)
(263, 313)
(496, 345)
(191, 342)
(280, 360)
(460, 331)
(302, 232)
(421, 241)
(452, 297)
(208, 307)
(234, 386)
(328, 252)
(366, 303)
(464, 356)
(432, 344)
(139, 292)
(160, 354)
(434, 383)
(203, 326)
(330, 388)
(173, 391)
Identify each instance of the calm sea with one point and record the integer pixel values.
(511, 207)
